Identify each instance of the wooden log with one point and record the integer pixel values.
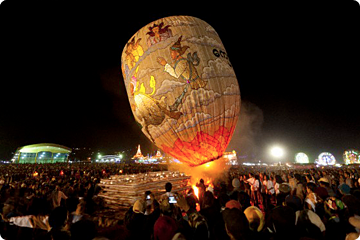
(124, 190)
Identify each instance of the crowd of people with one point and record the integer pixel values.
(36, 197)
(58, 201)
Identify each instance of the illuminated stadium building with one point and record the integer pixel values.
(109, 158)
(41, 153)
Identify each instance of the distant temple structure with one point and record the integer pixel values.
(140, 158)
(138, 154)
(158, 154)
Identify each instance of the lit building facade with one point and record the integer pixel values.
(109, 158)
(351, 156)
(41, 153)
(231, 158)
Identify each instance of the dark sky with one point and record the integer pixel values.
(61, 82)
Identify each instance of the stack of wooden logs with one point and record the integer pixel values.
(121, 191)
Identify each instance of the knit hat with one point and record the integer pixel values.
(254, 215)
(165, 228)
(233, 204)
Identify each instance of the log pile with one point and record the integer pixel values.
(121, 191)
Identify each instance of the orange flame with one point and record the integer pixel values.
(196, 190)
(209, 172)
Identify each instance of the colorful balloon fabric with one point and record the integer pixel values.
(182, 88)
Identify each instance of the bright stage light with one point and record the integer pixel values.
(277, 152)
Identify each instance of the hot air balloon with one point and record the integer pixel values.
(351, 156)
(301, 158)
(325, 158)
(182, 88)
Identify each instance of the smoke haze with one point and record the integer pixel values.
(207, 171)
(247, 132)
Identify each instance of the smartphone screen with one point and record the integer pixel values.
(148, 197)
(172, 199)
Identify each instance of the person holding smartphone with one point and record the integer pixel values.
(150, 203)
(168, 193)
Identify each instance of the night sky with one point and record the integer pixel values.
(297, 65)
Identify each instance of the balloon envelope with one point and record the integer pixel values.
(182, 88)
(325, 158)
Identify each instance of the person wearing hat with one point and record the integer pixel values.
(165, 228)
(197, 222)
(281, 223)
(138, 207)
(284, 190)
(355, 222)
(333, 209)
(352, 236)
(233, 204)
(309, 224)
(236, 186)
(182, 68)
(320, 190)
(344, 189)
(255, 217)
(135, 220)
(294, 202)
(325, 185)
